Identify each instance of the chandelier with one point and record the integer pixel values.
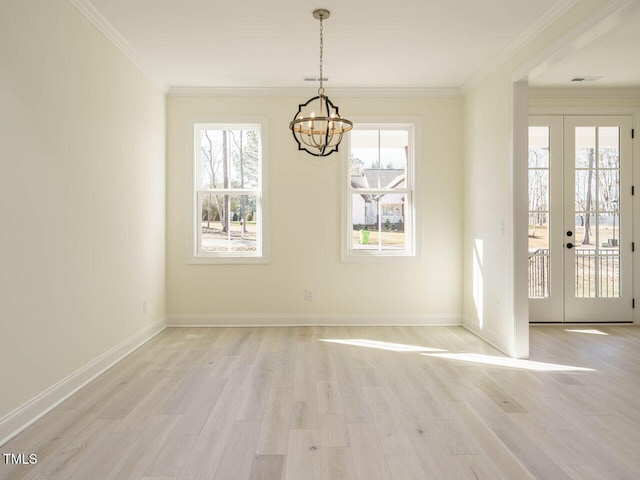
(317, 126)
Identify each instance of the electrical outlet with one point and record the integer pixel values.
(308, 295)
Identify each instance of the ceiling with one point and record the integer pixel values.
(610, 58)
(368, 43)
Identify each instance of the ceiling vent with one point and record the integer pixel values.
(585, 79)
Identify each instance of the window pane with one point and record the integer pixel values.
(387, 178)
(228, 223)
(379, 158)
(244, 158)
(229, 158)
(364, 154)
(394, 148)
(212, 166)
(378, 222)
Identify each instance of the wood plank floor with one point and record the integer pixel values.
(361, 403)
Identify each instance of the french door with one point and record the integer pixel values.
(580, 221)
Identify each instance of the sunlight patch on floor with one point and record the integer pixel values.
(395, 347)
(591, 331)
(509, 362)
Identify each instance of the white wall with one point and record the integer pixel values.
(82, 193)
(486, 187)
(305, 228)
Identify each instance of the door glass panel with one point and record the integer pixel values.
(538, 231)
(538, 147)
(538, 189)
(609, 230)
(585, 255)
(585, 190)
(585, 147)
(585, 273)
(608, 190)
(609, 147)
(539, 275)
(609, 255)
(584, 231)
(539, 258)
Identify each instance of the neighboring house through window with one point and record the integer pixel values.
(379, 176)
(228, 210)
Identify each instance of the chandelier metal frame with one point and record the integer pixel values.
(319, 134)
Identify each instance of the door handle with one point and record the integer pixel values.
(569, 245)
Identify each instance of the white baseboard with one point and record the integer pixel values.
(298, 320)
(471, 324)
(19, 419)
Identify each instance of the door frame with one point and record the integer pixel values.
(547, 116)
(634, 112)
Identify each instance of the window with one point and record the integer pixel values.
(379, 178)
(228, 218)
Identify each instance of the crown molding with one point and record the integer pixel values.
(304, 92)
(583, 92)
(536, 28)
(86, 8)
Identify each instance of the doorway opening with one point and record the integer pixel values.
(579, 219)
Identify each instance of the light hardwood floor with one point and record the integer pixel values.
(284, 403)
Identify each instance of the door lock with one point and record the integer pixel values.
(569, 233)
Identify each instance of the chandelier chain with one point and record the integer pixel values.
(321, 89)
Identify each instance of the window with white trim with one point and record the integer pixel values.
(228, 218)
(380, 209)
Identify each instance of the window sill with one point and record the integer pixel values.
(380, 258)
(224, 260)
